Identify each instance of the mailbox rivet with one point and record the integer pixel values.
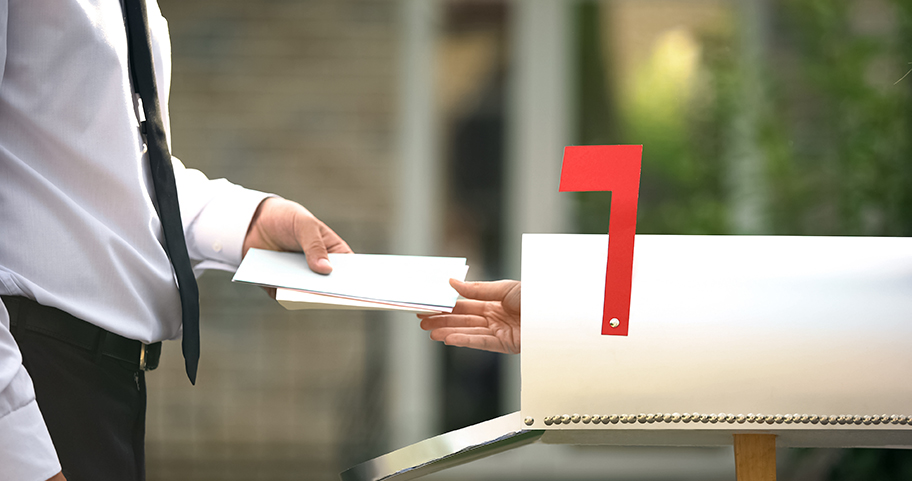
(675, 417)
(667, 417)
(787, 419)
(813, 418)
(750, 417)
(833, 419)
(778, 419)
(883, 419)
(804, 418)
(565, 419)
(641, 418)
(704, 418)
(904, 420)
(857, 419)
(741, 418)
(866, 420)
(770, 419)
(730, 418)
(614, 322)
(613, 419)
(894, 419)
(528, 420)
(585, 419)
(685, 417)
(547, 420)
(651, 418)
(575, 418)
(713, 418)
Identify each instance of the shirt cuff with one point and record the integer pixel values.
(26, 450)
(219, 231)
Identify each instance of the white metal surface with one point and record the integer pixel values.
(721, 324)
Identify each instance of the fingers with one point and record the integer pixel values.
(483, 291)
(449, 320)
(475, 338)
(463, 306)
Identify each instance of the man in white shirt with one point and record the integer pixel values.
(80, 238)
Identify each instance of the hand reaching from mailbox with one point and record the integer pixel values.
(488, 318)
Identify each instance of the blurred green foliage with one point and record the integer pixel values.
(832, 131)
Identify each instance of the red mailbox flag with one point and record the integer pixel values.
(616, 168)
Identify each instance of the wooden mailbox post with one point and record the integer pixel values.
(756, 341)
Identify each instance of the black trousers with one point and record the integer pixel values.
(94, 407)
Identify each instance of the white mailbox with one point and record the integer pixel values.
(808, 338)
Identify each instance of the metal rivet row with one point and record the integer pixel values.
(649, 418)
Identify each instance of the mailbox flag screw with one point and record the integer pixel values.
(614, 322)
(528, 420)
(575, 418)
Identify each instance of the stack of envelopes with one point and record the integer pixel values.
(358, 281)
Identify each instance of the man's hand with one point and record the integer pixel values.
(283, 225)
(57, 477)
(488, 319)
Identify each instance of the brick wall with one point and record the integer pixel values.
(292, 97)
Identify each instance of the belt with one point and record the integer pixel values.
(27, 314)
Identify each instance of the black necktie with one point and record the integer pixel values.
(163, 179)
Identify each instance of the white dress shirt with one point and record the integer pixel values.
(78, 229)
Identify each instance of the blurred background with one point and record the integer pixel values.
(437, 127)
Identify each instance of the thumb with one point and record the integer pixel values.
(483, 291)
(311, 243)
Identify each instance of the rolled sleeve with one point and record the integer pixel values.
(216, 215)
(26, 450)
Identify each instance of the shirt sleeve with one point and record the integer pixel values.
(216, 215)
(26, 450)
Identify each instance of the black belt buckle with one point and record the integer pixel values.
(149, 355)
